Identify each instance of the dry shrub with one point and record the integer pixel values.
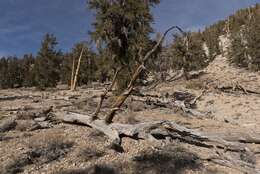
(90, 153)
(26, 125)
(16, 165)
(7, 124)
(48, 147)
(96, 169)
(168, 160)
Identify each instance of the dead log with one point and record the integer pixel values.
(169, 103)
(182, 100)
(231, 162)
(7, 98)
(150, 131)
(236, 87)
(162, 130)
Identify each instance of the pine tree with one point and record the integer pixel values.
(3, 73)
(187, 52)
(47, 64)
(122, 26)
(27, 64)
(238, 51)
(245, 39)
(253, 42)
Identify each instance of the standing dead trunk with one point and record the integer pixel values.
(75, 79)
(72, 73)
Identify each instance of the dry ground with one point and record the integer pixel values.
(65, 148)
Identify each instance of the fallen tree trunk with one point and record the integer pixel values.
(161, 130)
(169, 103)
(236, 87)
(150, 130)
(7, 98)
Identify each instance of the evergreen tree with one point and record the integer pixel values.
(187, 52)
(47, 64)
(3, 73)
(27, 64)
(238, 53)
(245, 47)
(253, 42)
(122, 26)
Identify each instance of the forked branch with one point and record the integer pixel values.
(121, 98)
(103, 95)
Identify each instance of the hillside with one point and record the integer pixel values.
(230, 115)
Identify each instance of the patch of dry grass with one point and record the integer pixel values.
(194, 84)
(48, 147)
(96, 169)
(167, 160)
(87, 153)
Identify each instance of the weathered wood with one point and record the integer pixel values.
(123, 96)
(239, 165)
(237, 87)
(72, 73)
(156, 129)
(160, 130)
(182, 100)
(103, 95)
(75, 79)
(7, 98)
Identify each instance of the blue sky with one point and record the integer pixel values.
(24, 22)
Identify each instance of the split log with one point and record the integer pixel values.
(227, 161)
(162, 130)
(150, 131)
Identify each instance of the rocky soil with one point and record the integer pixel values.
(65, 148)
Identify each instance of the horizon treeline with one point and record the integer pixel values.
(49, 67)
(121, 33)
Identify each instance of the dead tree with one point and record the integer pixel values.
(121, 99)
(75, 78)
(103, 95)
(72, 73)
